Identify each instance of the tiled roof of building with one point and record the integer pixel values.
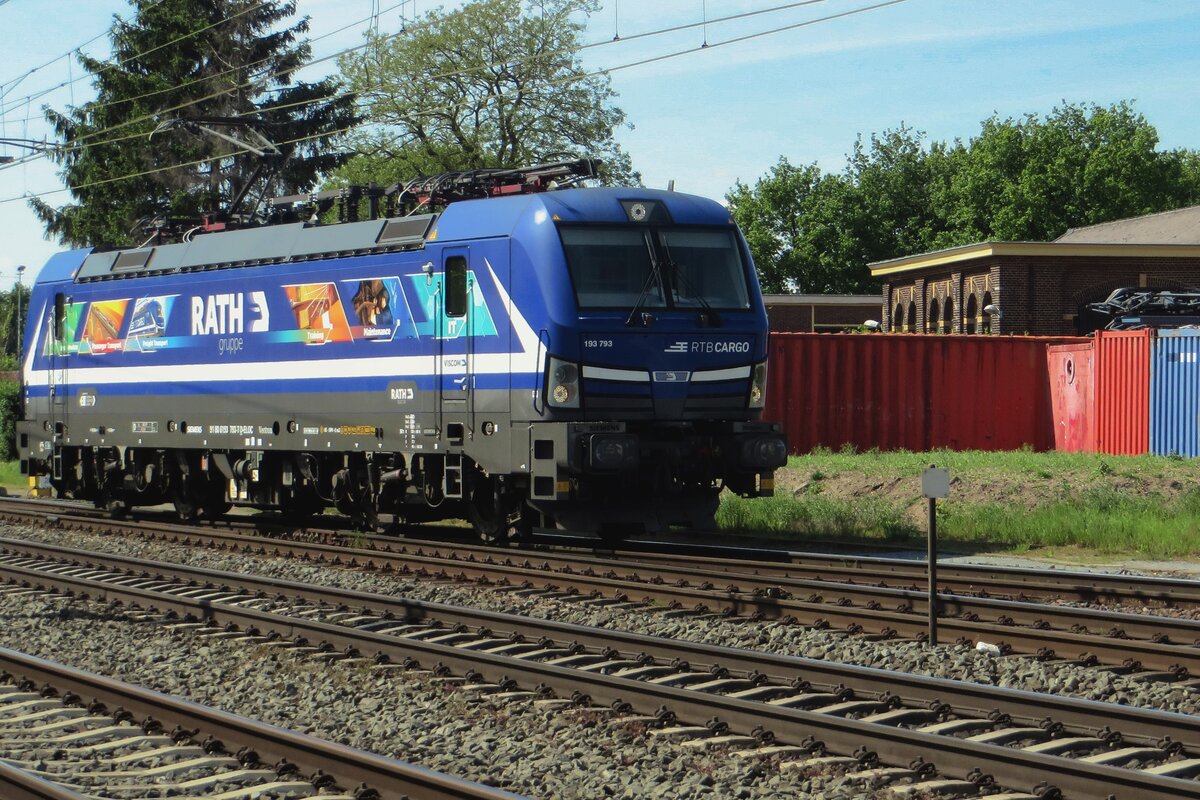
(1181, 226)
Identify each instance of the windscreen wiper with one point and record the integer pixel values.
(655, 274)
(708, 315)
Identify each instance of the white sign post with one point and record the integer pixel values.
(935, 483)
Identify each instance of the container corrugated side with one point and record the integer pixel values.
(1123, 392)
(1175, 393)
(912, 392)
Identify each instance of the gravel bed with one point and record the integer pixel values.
(949, 661)
(519, 746)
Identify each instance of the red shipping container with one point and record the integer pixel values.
(1072, 396)
(912, 392)
(1123, 392)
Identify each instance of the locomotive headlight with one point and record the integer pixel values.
(562, 378)
(758, 386)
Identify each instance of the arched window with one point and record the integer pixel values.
(911, 323)
(948, 315)
(985, 323)
(931, 317)
(972, 314)
(898, 318)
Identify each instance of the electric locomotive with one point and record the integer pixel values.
(591, 358)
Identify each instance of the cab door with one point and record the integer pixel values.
(58, 390)
(454, 340)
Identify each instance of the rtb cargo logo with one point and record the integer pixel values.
(226, 313)
(708, 346)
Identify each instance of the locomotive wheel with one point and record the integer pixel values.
(490, 522)
(213, 503)
(184, 498)
(184, 508)
(497, 520)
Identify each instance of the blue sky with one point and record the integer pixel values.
(724, 113)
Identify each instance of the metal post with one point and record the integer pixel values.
(933, 599)
(935, 483)
(20, 319)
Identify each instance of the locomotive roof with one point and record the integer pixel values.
(298, 242)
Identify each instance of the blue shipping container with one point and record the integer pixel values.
(1175, 393)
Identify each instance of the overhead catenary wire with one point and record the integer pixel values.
(603, 71)
(16, 102)
(68, 53)
(251, 65)
(86, 139)
(71, 144)
(747, 37)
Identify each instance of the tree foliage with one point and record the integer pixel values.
(180, 59)
(493, 84)
(1020, 179)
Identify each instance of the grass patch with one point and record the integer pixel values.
(1019, 501)
(816, 516)
(1098, 519)
(10, 475)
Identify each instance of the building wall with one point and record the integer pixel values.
(817, 317)
(1037, 295)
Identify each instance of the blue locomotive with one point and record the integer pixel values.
(591, 358)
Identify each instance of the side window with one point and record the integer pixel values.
(60, 315)
(456, 286)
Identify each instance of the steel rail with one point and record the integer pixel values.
(964, 697)
(1050, 582)
(18, 785)
(985, 580)
(1047, 630)
(1014, 768)
(392, 779)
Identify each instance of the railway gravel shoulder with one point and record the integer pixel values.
(100, 737)
(906, 736)
(948, 661)
(539, 751)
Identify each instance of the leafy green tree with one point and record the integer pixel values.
(494, 84)
(1020, 179)
(1033, 178)
(790, 222)
(181, 59)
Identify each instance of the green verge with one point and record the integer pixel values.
(1139, 506)
(11, 477)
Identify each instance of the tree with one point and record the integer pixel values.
(1027, 179)
(492, 84)
(185, 59)
(790, 236)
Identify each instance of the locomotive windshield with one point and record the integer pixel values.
(624, 267)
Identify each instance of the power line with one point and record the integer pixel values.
(223, 73)
(604, 71)
(747, 37)
(21, 100)
(75, 143)
(77, 48)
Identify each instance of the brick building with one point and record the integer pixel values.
(1038, 288)
(820, 312)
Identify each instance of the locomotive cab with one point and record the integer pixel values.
(655, 376)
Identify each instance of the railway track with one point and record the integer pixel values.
(1145, 646)
(1018, 583)
(67, 734)
(938, 735)
(1025, 583)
